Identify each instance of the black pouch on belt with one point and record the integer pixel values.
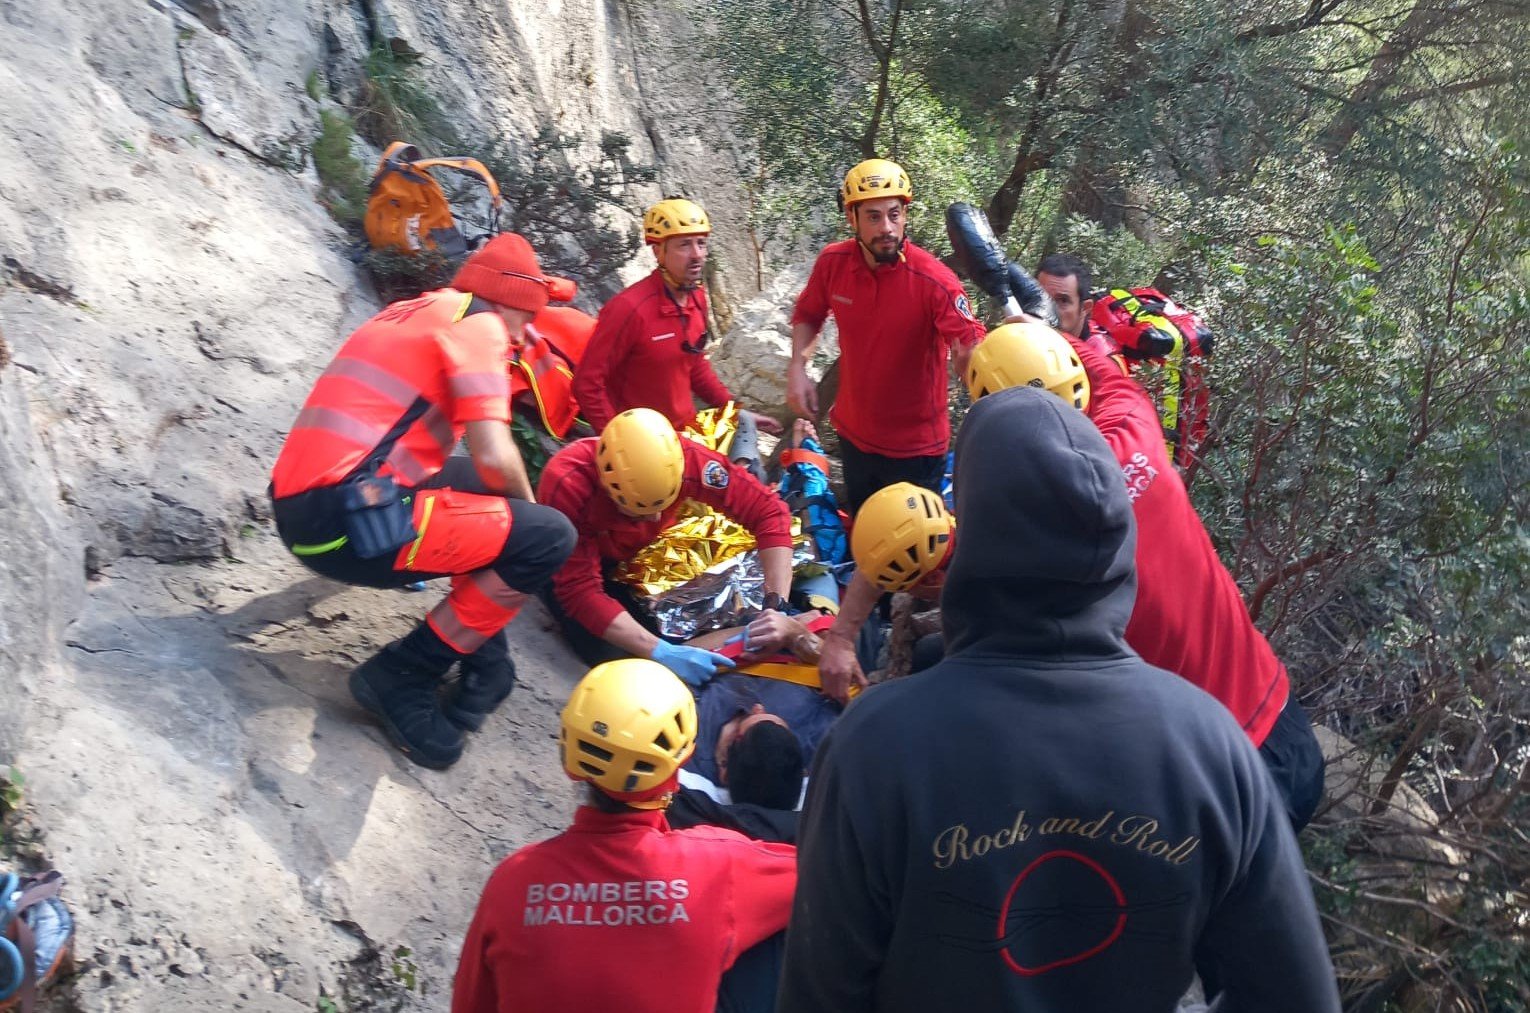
(379, 516)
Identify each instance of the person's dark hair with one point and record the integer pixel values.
(765, 767)
(597, 799)
(1066, 265)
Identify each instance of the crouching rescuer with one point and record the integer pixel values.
(620, 911)
(365, 491)
(622, 491)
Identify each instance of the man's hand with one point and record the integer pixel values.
(838, 669)
(961, 358)
(801, 391)
(693, 665)
(769, 633)
(764, 423)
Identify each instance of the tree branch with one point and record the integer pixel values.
(1311, 18)
(1420, 23)
(1029, 156)
(1455, 88)
(884, 54)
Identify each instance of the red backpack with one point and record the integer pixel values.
(1144, 325)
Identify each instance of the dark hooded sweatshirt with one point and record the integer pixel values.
(1044, 822)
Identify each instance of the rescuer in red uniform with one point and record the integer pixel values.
(564, 924)
(623, 489)
(649, 349)
(365, 492)
(901, 315)
(1188, 618)
(1068, 280)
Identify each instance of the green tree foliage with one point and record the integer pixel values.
(1341, 185)
(575, 213)
(342, 177)
(823, 86)
(395, 102)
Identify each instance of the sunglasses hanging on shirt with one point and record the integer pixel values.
(687, 346)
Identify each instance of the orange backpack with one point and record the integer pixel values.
(407, 210)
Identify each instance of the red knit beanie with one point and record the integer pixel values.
(505, 271)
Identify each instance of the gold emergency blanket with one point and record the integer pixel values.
(691, 546)
(702, 572)
(714, 427)
(702, 537)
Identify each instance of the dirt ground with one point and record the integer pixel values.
(237, 833)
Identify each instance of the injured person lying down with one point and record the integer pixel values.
(755, 741)
(757, 729)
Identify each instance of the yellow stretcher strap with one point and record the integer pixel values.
(801, 674)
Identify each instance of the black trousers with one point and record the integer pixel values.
(540, 537)
(866, 472)
(592, 650)
(750, 985)
(1295, 761)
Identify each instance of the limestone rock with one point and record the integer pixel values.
(1401, 863)
(235, 104)
(41, 575)
(345, 47)
(753, 356)
(209, 12)
(234, 831)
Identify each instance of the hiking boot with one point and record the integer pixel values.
(398, 687)
(487, 676)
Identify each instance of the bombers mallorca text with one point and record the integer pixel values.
(608, 904)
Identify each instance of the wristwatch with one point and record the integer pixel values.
(774, 602)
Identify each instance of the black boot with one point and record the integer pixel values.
(488, 675)
(398, 687)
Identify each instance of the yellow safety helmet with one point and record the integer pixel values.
(901, 534)
(876, 177)
(1028, 355)
(627, 727)
(675, 216)
(640, 461)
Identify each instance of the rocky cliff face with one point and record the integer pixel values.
(235, 834)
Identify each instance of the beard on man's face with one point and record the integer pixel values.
(884, 250)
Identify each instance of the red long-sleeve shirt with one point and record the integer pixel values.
(619, 912)
(570, 483)
(1189, 617)
(638, 357)
(897, 324)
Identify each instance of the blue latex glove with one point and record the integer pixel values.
(692, 664)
